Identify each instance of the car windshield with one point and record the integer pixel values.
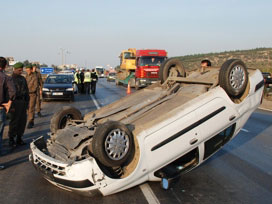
(58, 79)
(151, 61)
(99, 70)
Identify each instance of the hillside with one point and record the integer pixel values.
(260, 58)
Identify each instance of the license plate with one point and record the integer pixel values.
(153, 72)
(57, 94)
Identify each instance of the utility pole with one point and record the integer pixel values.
(62, 58)
(66, 52)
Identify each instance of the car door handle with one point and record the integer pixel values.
(232, 117)
(193, 141)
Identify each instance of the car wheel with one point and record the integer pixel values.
(171, 67)
(233, 77)
(113, 144)
(60, 118)
(72, 98)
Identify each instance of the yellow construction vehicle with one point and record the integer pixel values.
(127, 66)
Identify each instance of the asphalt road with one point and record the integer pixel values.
(241, 172)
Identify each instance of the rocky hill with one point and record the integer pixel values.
(260, 58)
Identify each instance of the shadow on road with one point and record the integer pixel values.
(16, 161)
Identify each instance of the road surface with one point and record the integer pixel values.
(239, 173)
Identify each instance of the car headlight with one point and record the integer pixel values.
(70, 89)
(45, 89)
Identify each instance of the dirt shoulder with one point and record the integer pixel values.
(267, 104)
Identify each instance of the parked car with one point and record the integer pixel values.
(111, 76)
(154, 134)
(267, 78)
(58, 86)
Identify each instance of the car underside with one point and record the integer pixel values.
(158, 132)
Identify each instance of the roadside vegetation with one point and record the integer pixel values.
(260, 58)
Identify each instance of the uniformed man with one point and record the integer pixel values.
(7, 95)
(87, 81)
(94, 80)
(32, 83)
(39, 90)
(18, 110)
(81, 75)
(77, 78)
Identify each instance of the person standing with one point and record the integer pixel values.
(81, 75)
(32, 83)
(18, 116)
(7, 95)
(77, 78)
(87, 81)
(94, 80)
(39, 90)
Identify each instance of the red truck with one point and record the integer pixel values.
(140, 68)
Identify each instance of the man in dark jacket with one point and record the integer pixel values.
(94, 78)
(81, 75)
(18, 115)
(7, 95)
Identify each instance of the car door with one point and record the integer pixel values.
(214, 116)
(171, 141)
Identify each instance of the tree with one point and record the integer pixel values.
(26, 62)
(44, 65)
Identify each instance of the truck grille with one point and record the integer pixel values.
(52, 168)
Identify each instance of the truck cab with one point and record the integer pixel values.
(148, 64)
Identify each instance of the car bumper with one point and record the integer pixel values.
(58, 95)
(83, 177)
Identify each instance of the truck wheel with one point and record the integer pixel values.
(113, 144)
(233, 77)
(117, 83)
(171, 67)
(60, 118)
(137, 84)
(132, 82)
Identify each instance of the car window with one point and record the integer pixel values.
(58, 79)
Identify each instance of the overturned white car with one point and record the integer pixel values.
(154, 134)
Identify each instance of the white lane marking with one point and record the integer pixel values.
(95, 102)
(265, 109)
(146, 189)
(149, 194)
(245, 130)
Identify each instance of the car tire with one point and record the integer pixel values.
(170, 65)
(233, 77)
(104, 137)
(61, 117)
(72, 98)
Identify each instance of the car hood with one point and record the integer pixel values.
(50, 86)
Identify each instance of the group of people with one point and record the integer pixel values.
(86, 81)
(19, 96)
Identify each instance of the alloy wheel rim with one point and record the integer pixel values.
(117, 144)
(237, 77)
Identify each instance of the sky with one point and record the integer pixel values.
(94, 32)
